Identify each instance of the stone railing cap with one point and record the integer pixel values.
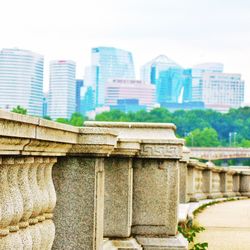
(18, 117)
(130, 125)
(57, 125)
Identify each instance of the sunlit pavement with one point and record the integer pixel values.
(227, 226)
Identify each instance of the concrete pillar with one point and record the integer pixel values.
(207, 182)
(118, 197)
(195, 180)
(236, 184)
(79, 183)
(216, 184)
(183, 178)
(245, 183)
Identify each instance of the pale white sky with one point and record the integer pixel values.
(187, 31)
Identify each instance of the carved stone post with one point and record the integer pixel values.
(245, 183)
(79, 182)
(227, 183)
(155, 183)
(196, 180)
(236, 183)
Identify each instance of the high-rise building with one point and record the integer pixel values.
(21, 80)
(79, 85)
(119, 89)
(45, 104)
(151, 70)
(174, 86)
(109, 63)
(197, 73)
(62, 91)
(173, 83)
(222, 91)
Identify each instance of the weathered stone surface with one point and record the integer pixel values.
(118, 197)
(195, 181)
(245, 183)
(169, 243)
(183, 182)
(136, 130)
(155, 197)
(121, 244)
(79, 184)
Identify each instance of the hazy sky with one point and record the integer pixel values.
(187, 31)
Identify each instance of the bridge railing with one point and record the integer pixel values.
(102, 186)
(206, 181)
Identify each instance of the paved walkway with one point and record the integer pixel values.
(227, 226)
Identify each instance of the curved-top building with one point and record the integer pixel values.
(21, 80)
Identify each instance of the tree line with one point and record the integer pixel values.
(200, 128)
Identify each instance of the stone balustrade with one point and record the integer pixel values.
(101, 186)
(205, 181)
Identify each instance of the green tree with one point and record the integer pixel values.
(245, 143)
(46, 117)
(20, 110)
(63, 120)
(76, 119)
(208, 137)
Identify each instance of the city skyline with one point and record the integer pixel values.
(189, 32)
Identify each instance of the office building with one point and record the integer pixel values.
(109, 63)
(120, 89)
(79, 86)
(174, 85)
(222, 91)
(21, 80)
(151, 70)
(197, 73)
(62, 91)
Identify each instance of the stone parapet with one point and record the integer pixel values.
(117, 185)
(151, 198)
(206, 181)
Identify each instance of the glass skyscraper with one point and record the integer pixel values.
(109, 63)
(62, 91)
(174, 86)
(21, 80)
(173, 83)
(151, 70)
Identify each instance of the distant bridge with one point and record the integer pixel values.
(219, 153)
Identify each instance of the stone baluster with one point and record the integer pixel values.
(23, 181)
(6, 204)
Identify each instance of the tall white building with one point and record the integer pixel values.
(21, 80)
(222, 91)
(62, 90)
(197, 74)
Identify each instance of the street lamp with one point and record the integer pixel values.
(232, 135)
